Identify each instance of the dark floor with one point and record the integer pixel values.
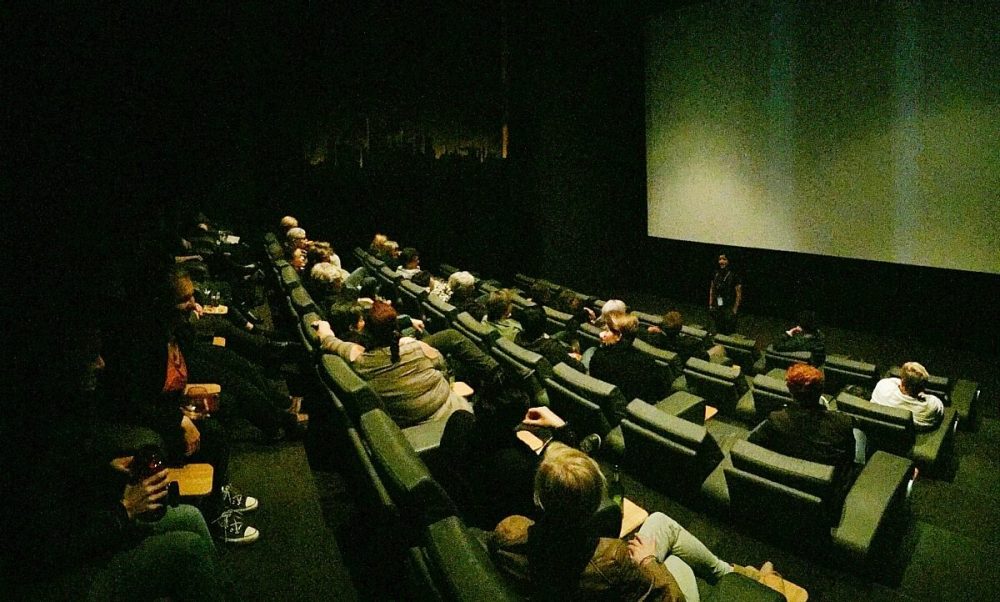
(313, 548)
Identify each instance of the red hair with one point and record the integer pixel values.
(804, 382)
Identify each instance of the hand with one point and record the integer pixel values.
(323, 329)
(544, 417)
(192, 438)
(122, 464)
(576, 355)
(418, 325)
(794, 331)
(590, 313)
(144, 496)
(654, 330)
(192, 413)
(640, 547)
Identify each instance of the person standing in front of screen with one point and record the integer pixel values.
(724, 296)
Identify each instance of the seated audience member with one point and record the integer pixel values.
(391, 254)
(295, 238)
(540, 293)
(616, 305)
(558, 557)
(377, 247)
(570, 303)
(808, 431)
(464, 295)
(322, 252)
(299, 261)
(407, 374)
(287, 223)
(409, 263)
(348, 319)
(533, 337)
(88, 513)
(499, 308)
(804, 337)
(908, 392)
(326, 285)
(669, 337)
(148, 375)
(617, 362)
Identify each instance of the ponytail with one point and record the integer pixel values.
(394, 346)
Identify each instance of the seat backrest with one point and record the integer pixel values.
(307, 334)
(460, 566)
(604, 395)
(721, 386)
(373, 498)
(523, 280)
(668, 361)
(780, 494)
(555, 320)
(667, 452)
(886, 428)
(410, 296)
(505, 350)
(447, 269)
(302, 301)
(483, 335)
(586, 415)
(647, 319)
(420, 499)
(741, 350)
(590, 335)
(769, 394)
(521, 302)
(289, 278)
(840, 372)
(695, 332)
(783, 359)
(439, 314)
(348, 386)
(388, 275)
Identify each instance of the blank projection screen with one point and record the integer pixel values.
(868, 130)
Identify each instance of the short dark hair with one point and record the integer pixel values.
(533, 321)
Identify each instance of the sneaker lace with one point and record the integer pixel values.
(231, 522)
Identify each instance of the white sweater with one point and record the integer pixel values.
(927, 409)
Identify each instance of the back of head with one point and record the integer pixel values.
(533, 322)
(623, 324)
(540, 293)
(296, 234)
(914, 378)
(327, 273)
(805, 383)
(345, 316)
(461, 283)
(381, 323)
(673, 321)
(498, 305)
(613, 305)
(569, 485)
(288, 222)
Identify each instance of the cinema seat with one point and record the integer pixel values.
(783, 359)
(593, 406)
(666, 452)
(556, 321)
(451, 564)
(420, 499)
(438, 314)
(891, 430)
(721, 386)
(302, 301)
(840, 371)
(483, 335)
(667, 361)
(766, 395)
(961, 394)
(741, 350)
(794, 502)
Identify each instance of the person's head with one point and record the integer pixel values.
(462, 285)
(328, 275)
(532, 321)
(381, 325)
(288, 222)
(807, 320)
(180, 292)
(345, 317)
(569, 486)
(613, 305)
(391, 249)
(319, 252)
(298, 260)
(410, 259)
(540, 293)
(296, 236)
(723, 261)
(805, 383)
(569, 302)
(370, 287)
(378, 243)
(913, 378)
(498, 305)
(672, 322)
(619, 326)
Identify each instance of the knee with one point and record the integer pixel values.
(659, 522)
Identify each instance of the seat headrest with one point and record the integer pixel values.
(663, 355)
(851, 404)
(844, 364)
(767, 383)
(669, 426)
(810, 477)
(700, 366)
(584, 384)
(414, 289)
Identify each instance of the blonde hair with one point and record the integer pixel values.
(914, 378)
(621, 323)
(569, 485)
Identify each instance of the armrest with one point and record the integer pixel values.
(684, 405)
(933, 446)
(426, 436)
(882, 482)
(964, 398)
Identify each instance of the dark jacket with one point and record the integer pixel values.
(550, 349)
(635, 374)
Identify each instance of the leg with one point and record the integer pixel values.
(684, 576)
(674, 540)
(184, 518)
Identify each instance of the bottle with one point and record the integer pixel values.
(616, 491)
(145, 463)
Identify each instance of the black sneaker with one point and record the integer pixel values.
(234, 500)
(231, 527)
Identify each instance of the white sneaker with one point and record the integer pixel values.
(234, 500)
(230, 527)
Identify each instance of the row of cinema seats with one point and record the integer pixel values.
(402, 506)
